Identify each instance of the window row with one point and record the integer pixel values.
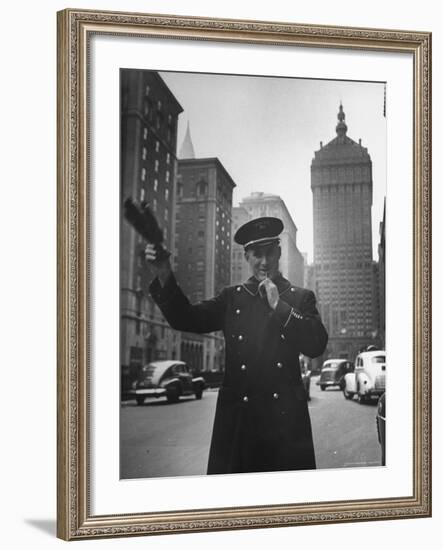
(155, 187)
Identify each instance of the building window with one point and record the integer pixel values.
(146, 107)
(147, 88)
(202, 188)
(145, 133)
(168, 158)
(159, 105)
(142, 194)
(156, 165)
(143, 175)
(156, 185)
(154, 205)
(166, 214)
(138, 282)
(180, 189)
(167, 195)
(167, 176)
(157, 146)
(144, 153)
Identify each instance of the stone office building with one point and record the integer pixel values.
(240, 271)
(203, 247)
(149, 116)
(344, 272)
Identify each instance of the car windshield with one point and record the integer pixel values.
(379, 359)
(332, 365)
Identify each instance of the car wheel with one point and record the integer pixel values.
(322, 387)
(173, 396)
(347, 394)
(362, 399)
(199, 394)
(140, 400)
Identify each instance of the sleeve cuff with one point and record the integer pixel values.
(284, 313)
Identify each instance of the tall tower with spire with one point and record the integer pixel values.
(187, 148)
(344, 271)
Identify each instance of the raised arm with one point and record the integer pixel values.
(206, 316)
(304, 325)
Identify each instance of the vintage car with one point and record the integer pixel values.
(333, 372)
(381, 426)
(369, 377)
(170, 379)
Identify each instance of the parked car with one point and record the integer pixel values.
(333, 372)
(170, 379)
(369, 377)
(381, 426)
(306, 380)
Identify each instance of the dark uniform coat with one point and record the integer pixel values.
(262, 421)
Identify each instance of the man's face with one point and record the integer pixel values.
(263, 261)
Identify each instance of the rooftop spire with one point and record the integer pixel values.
(187, 148)
(341, 127)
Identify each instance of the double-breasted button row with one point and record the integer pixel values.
(245, 398)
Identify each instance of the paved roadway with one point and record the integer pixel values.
(160, 439)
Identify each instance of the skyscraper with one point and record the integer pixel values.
(203, 247)
(344, 272)
(149, 116)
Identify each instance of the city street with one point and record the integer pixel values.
(161, 439)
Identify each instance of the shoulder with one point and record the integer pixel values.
(295, 295)
(234, 289)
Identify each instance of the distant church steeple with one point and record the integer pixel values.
(187, 148)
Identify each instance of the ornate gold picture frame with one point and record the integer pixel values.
(77, 518)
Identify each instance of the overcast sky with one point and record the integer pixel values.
(265, 130)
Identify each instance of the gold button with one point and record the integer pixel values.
(240, 337)
(245, 398)
(282, 336)
(238, 288)
(237, 311)
(292, 289)
(275, 396)
(243, 367)
(279, 365)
